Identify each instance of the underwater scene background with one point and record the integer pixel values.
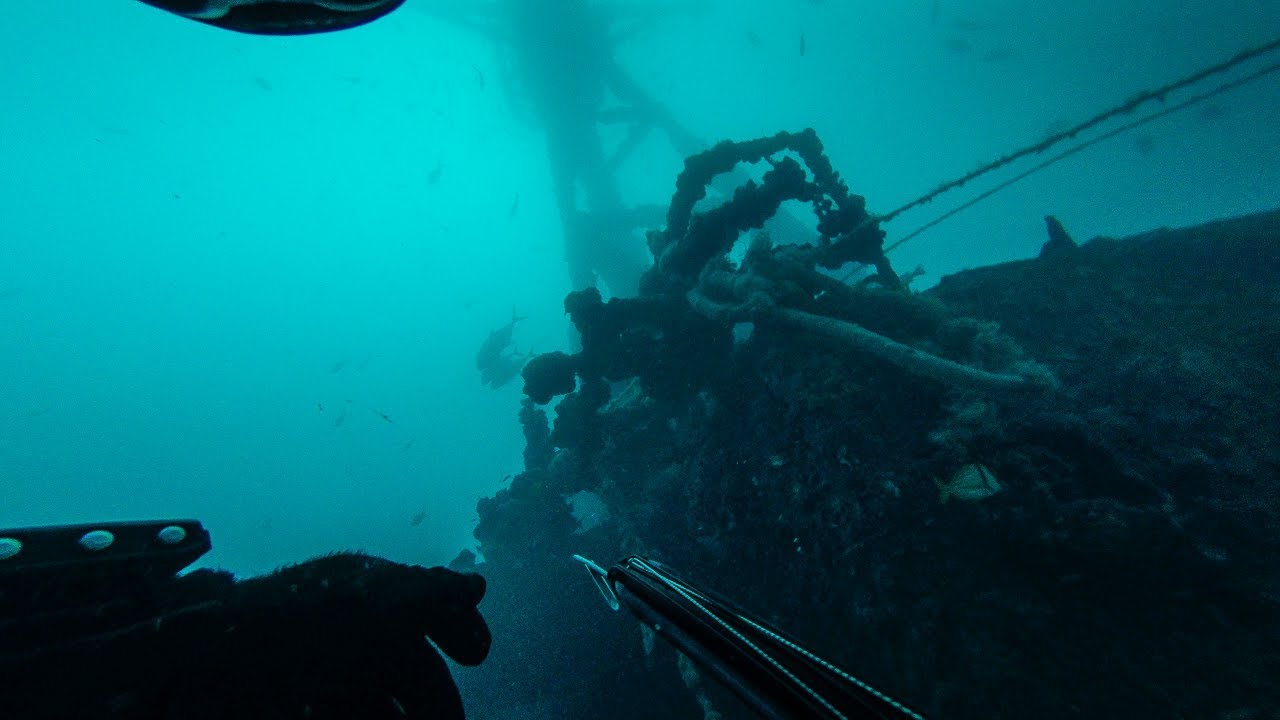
(252, 280)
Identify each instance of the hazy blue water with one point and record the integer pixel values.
(197, 227)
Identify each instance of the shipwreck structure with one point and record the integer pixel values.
(1047, 487)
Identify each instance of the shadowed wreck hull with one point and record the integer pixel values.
(1113, 562)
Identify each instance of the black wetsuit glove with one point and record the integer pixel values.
(342, 636)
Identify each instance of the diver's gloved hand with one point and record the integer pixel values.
(280, 17)
(341, 636)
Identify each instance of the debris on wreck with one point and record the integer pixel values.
(693, 295)
(1105, 413)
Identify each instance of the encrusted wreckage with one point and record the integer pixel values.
(1048, 486)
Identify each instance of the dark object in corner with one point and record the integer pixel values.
(1059, 242)
(94, 623)
(279, 17)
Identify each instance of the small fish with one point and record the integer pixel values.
(753, 39)
(503, 369)
(433, 177)
(418, 517)
(969, 25)
(515, 206)
(404, 446)
(999, 55)
(337, 367)
(382, 415)
(498, 365)
(957, 45)
(499, 339)
(802, 45)
(337, 422)
(262, 83)
(319, 407)
(971, 483)
(479, 76)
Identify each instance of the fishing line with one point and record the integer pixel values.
(1225, 87)
(1122, 109)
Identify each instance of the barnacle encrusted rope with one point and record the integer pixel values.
(693, 293)
(1124, 108)
(846, 232)
(912, 360)
(759, 307)
(690, 254)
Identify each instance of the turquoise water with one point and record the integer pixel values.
(224, 258)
